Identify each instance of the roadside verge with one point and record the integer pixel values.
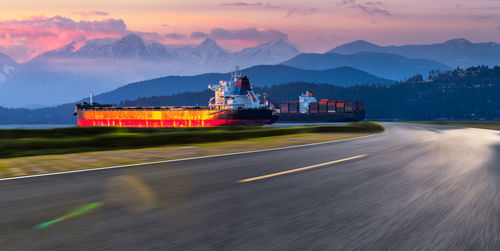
(33, 165)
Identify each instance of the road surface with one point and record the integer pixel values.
(416, 187)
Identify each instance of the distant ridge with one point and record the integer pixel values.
(464, 94)
(385, 65)
(262, 75)
(454, 52)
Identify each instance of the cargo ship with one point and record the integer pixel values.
(234, 103)
(309, 109)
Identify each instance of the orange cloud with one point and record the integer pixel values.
(24, 39)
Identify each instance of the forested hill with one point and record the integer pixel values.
(470, 94)
(261, 75)
(464, 94)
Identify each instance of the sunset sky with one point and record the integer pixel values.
(28, 27)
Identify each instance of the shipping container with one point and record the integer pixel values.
(293, 107)
(326, 110)
(331, 106)
(284, 107)
(313, 108)
(323, 107)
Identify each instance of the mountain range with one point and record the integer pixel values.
(465, 94)
(262, 75)
(384, 65)
(456, 52)
(208, 54)
(7, 67)
(101, 65)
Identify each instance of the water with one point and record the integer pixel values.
(51, 126)
(306, 124)
(36, 126)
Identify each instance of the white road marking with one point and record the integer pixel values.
(184, 159)
(299, 169)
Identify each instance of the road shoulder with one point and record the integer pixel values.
(34, 165)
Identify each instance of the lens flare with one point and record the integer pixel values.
(79, 211)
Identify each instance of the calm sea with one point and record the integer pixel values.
(50, 126)
(36, 126)
(306, 124)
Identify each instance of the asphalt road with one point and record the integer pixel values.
(416, 187)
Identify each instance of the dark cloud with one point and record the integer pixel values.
(367, 8)
(250, 34)
(176, 36)
(198, 35)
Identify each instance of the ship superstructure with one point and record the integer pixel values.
(234, 95)
(304, 100)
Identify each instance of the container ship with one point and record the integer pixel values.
(308, 109)
(234, 103)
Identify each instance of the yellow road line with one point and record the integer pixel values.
(299, 169)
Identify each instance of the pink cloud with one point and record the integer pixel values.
(290, 10)
(242, 4)
(367, 7)
(91, 13)
(300, 11)
(259, 5)
(39, 34)
(249, 34)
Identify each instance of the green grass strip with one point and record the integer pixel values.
(19, 143)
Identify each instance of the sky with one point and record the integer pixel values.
(28, 27)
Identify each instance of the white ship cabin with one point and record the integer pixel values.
(234, 95)
(304, 100)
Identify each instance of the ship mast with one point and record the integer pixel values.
(236, 73)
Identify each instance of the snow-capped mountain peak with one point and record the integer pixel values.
(208, 45)
(272, 52)
(130, 46)
(7, 66)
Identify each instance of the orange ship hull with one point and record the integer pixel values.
(171, 117)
